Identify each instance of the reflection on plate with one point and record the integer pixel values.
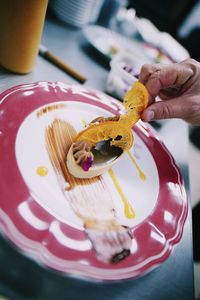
(53, 217)
(109, 42)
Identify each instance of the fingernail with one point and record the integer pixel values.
(150, 115)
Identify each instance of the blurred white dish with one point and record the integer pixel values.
(125, 69)
(109, 42)
(77, 13)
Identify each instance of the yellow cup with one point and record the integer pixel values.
(21, 26)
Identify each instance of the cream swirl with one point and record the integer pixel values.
(82, 151)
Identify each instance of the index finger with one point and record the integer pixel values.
(147, 70)
(147, 74)
(160, 78)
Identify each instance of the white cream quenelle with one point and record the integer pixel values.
(103, 142)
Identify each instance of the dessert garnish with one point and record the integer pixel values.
(115, 130)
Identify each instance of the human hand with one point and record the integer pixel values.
(178, 85)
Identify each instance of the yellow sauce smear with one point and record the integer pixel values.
(128, 210)
(42, 171)
(141, 174)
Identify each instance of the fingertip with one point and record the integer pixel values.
(148, 115)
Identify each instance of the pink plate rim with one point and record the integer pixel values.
(42, 245)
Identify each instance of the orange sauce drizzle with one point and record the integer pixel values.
(128, 209)
(140, 172)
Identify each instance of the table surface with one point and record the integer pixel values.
(22, 278)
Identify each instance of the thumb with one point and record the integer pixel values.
(173, 108)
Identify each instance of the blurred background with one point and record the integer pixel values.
(180, 18)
